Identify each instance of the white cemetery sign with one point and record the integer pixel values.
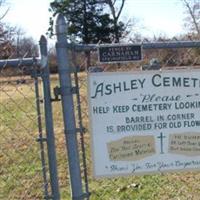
(144, 122)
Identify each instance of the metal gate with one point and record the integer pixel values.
(173, 55)
(38, 127)
(28, 159)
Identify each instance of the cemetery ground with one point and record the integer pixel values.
(20, 164)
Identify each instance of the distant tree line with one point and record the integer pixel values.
(13, 42)
(98, 21)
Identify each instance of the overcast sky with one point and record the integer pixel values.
(156, 16)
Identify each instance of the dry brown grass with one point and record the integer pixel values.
(20, 167)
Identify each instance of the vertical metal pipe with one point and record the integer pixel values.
(49, 120)
(68, 109)
(40, 139)
(80, 123)
(82, 137)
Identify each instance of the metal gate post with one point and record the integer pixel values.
(49, 120)
(68, 109)
(40, 131)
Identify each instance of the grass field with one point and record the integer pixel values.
(20, 165)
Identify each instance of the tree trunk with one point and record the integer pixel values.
(88, 59)
(116, 32)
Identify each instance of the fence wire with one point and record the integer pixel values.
(150, 187)
(21, 172)
(23, 176)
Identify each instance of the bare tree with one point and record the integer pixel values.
(13, 43)
(3, 13)
(26, 47)
(3, 10)
(192, 20)
(116, 7)
(6, 32)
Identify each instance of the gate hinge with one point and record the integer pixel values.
(61, 91)
(56, 92)
(81, 130)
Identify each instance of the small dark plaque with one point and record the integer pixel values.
(119, 53)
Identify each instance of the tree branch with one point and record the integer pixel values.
(121, 8)
(192, 16)
(4, 14)
(112, 8)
